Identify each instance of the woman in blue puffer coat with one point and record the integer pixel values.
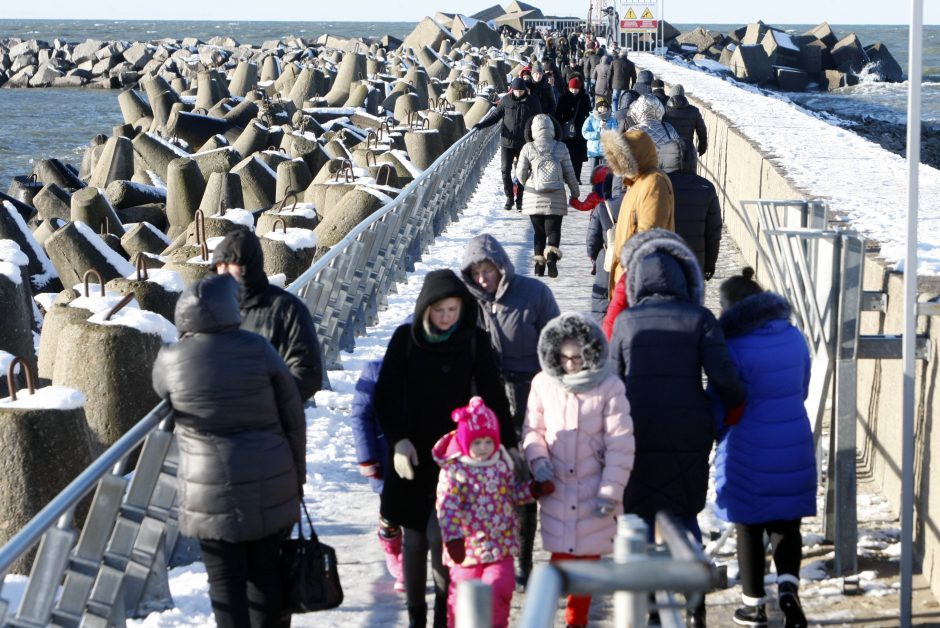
(765, 463)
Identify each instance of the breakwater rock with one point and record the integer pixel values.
(770, 57)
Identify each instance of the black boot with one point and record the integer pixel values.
(508, 205)
(440, 610)
(539, 266)
(528, 516)
(754, 616)
(790, 605)
(552, 255)
(418, 616)
(696, 617)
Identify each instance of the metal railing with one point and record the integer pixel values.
(675, 565)
(117, 566)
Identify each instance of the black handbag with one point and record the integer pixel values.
(569, 129)
(309, 572)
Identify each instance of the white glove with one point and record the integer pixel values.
(542, 470)
(405, 459)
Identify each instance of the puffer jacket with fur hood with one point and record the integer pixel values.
(647, 111)
(587, 436)
(650, 202)
(543, 135)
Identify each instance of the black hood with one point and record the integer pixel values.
(677, 102)
(242, 247)
(438, 285)
(209, 306)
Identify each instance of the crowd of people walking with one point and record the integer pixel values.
(493, 414)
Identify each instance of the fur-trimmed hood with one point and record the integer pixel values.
(479, 249)
(666, 243)
(579, 328)
(629, 154)
(754, 312)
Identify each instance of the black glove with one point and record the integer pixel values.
(708, 274)
(593, 266)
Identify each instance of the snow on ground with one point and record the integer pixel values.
(343, 507)
(860, 179)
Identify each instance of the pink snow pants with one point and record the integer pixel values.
(499, 575)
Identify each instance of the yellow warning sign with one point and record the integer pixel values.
(631, 14)
(647, 14)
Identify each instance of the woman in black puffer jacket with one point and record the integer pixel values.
(241, 434)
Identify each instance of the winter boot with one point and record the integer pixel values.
(519, 198)
(508, 205)
(552, 254)
(790, 605)
(539, 265)
(528, 516)
(390, 538)
(695, 618)
(440, 610)
(751, 616)
(418, 616)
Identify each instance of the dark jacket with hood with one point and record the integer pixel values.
(591, 59)
(660, 346)
(622, 73)
(597, 247)
(420, 384)
(575, 108)
(643, 83)
(686, 119)
(514, 114)
(514, 316)
(545, 94)
(602, 77)
(765, 465)
(698, 212)
(273, 312)
(239, 421)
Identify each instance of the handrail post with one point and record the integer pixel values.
(631, 608)
(474, 604)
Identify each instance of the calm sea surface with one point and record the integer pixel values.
(41, 123)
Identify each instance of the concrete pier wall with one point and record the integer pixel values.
(741, 171)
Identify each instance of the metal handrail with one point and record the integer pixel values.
(112, 460)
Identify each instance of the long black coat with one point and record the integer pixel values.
(698, 216)
(622, 73)
(274, 313)
(514, 115)
(546, 96)
(687, 120)
(239, 421)
(660, 346)
(576, 108)
(421, 383)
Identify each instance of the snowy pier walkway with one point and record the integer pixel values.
(345, 510)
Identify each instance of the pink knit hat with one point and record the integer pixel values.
(473, 422)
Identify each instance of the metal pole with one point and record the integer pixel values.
(630, 607)
(914, 74)
(474, 604)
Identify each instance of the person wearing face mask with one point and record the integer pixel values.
(514, 110)
(431, 366)
(600, 120)
(574, 107)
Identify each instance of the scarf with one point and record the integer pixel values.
(582, 381)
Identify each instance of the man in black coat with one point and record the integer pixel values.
(272, 312)
(574, 106)
(658, 89)
(538, 85)
(622, 77)
(698, 212)
(515, 109)
(685, 118)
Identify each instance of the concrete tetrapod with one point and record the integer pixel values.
(143, 238)
(46, 229)
(220, 160)
(481, 106)
(158, 294)
(24, 188)
(355, 206)
(223, 191)
(116, 163)
(91, 207)
(111, 365)
(259, 183)
(124, 194)
(16, 310)
(56, 319)
(244, 79)
(288, 251)
(75, 249)
(54, 171)
(53, 202)
(156, 153)
(292, 176)
(307, 148)
(185, 187)
(134, 107)
(252, 139)
(43, 275)
(44, 445)
(351, 69)
(195, 129)
(309, 83)
(424, 147)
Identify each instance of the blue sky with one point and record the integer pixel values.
(680, 11)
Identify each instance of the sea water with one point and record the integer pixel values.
(42, 123)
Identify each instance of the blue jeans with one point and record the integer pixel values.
(615, 103)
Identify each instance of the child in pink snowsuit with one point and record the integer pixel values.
(477, 498)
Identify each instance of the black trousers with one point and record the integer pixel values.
(547, 232)
(415, 546)
(507, 156)
(786, 543)
(245, 582)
